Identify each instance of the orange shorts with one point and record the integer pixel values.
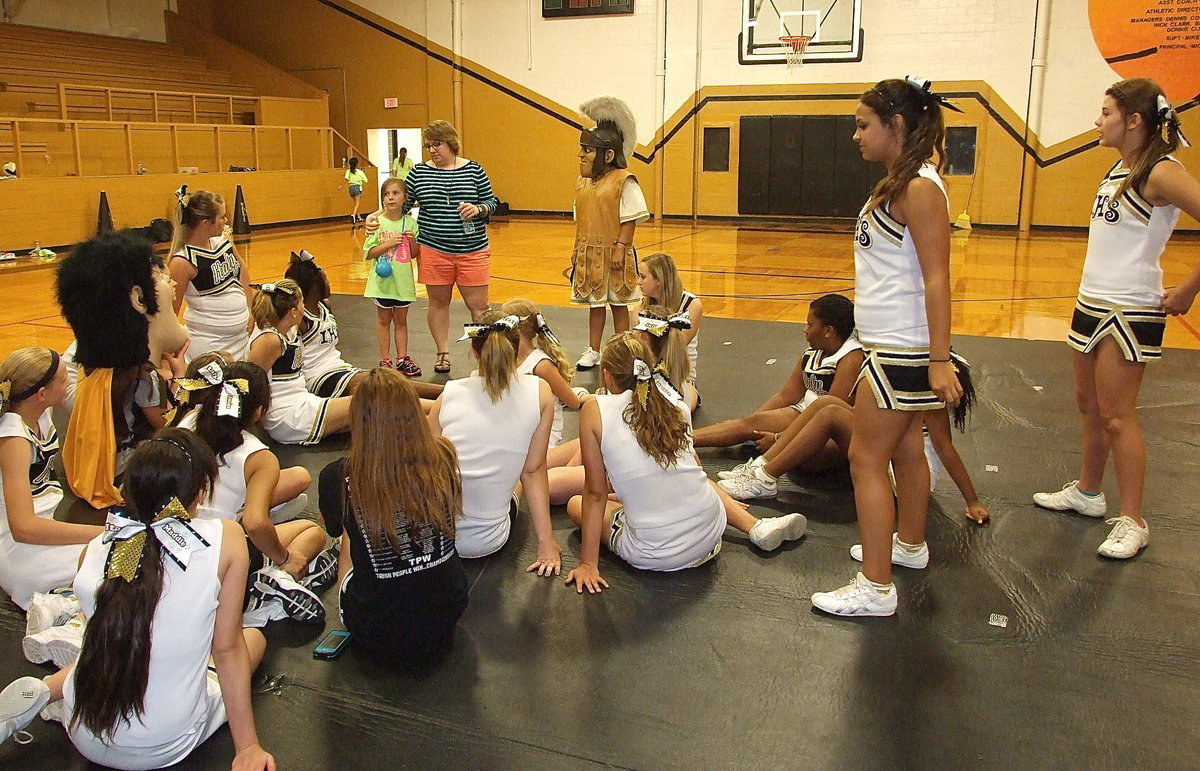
(436, 268)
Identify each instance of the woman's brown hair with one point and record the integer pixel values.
(497, 352)
(397, 467)
(441, 131)
(1140, 96)
(658, 424)
(113, 669)
(670, 286)
(540, 335)
(200, 205)
(924, 133)
(669, 348)
(270, 306)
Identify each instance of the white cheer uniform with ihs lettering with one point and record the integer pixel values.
(492, 442)
(526, 367)
(672, 517)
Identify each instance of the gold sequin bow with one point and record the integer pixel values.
(211, 374)
(170, 528)
(5, 393)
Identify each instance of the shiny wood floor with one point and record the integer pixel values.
(1005, 285)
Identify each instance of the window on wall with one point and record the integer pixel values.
(716, 148)
(960, 149)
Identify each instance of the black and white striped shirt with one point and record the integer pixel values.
(438, 192)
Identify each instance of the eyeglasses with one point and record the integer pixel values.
(431, 145)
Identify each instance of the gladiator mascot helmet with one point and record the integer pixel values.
(613, 128)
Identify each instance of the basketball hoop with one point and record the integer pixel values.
(795, 57)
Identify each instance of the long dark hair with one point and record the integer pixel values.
(113, 669)
(962, 410)
(223, 433)
(309, 276)
(924, 133)
(1140, 95)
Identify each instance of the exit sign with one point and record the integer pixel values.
(554, 9)
(391, 102)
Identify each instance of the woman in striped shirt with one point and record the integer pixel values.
(455, 198)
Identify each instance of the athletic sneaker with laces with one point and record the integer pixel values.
(407, 367)
(59, 644)
(741, 469)
(261, 611)
(589, 359)
(322, 571)
(769, 532)
(51, 609)
(1126, 539)
(299, 602)
(755, 484)
(1070, 498)
(860, 597)
(19, 704)
(904, 555)
(386, 363)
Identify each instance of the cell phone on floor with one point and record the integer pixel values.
(332, 645)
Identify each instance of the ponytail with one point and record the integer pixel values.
(1142, 96)
(274, 301)
(962, 410)
(658, 424)
(924, 131)
(533, 325)
(189, 210)
(666, 342)
(227, 399)
(113, 669)
(495, 340)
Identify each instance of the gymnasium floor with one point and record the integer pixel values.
(1018, 647)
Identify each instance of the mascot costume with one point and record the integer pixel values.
(117, 298)
(608, 205)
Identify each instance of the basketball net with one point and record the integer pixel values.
(795, 57)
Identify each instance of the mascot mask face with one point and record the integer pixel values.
(114, 293)
(600, 149)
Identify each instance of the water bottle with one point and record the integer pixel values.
(37, 250)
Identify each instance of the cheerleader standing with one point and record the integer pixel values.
(902, 311)
(1121, 311)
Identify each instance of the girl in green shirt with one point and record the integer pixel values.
(390, 282)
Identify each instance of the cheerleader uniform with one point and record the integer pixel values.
(325, 373)
(820, 369)
(671, 518)
(183, 705)
(228, 497)
(693, 348)
(26, 568)
(1121, 291)
(216, 315)
(492, 442)
(295, 415)
(526, 367)
(889, 309)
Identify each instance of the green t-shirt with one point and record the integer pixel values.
(401, 285)
(356, 177)
(400, 169)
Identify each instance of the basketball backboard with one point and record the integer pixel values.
(835, 27)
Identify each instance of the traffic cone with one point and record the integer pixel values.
(241, 220)
(104, 220)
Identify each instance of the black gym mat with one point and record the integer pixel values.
(1018, 647)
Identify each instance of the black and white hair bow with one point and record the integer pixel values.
(923, 86)
(472, 330)
(170, 528)
(1168, 121)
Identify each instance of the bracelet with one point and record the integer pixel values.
(622, 243)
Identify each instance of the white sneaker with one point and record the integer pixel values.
(768, 533)
(741, 469)
(289, 510)
(1126, 539)
(60, 644)
(56, 712)
(860, 597)
(299, 602)
(755, 484)
(917, 558)
(322, 571)
(1071, 499)
(47, 610)
(589, 359)
(19, 704)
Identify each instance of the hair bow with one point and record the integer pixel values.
(5, 392)
(652, 324)
(544, 329)
(643, 375)
(273, 288)
(472, 330)
(680, 321)
(302, 256)
(923, 86)
(1168, 120)
(229, 404)
(170, 528)
(184, 197)
(662, 381)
